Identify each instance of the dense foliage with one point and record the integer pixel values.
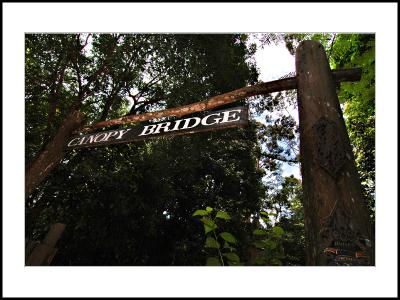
(133, 204)
(136, 204)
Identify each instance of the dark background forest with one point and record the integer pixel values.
(212, 198)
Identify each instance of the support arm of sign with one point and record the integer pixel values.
(257, 89)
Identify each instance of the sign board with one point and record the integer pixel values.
(232, 117)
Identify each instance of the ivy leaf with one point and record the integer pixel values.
(259, 244)
(223, 215)
(209, 225)
(266, 220)
(209, 209)
(228, 237)
(260, 261)
(278, 230)
(212, 243)
(213, 261)
(271, 244)
(232, 256)
(276, 262)
(234, 263)
(227, 246)
(259, 232)
(207, 229)
(200, 212)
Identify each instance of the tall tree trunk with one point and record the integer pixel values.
(338, 230)
(52, 153)
(44, 252)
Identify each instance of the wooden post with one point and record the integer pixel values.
(45, 251)
(338, 230)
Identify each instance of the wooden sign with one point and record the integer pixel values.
(232, 117)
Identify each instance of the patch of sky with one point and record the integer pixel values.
(273, 62)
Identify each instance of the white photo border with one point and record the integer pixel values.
(21, 281)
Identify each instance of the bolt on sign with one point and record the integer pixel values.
(232, 117)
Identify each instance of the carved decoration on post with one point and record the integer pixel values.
(341, 242)
(329, 149)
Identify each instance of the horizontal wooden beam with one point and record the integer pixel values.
(239, 94)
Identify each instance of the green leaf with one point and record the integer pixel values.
(278, 230)
(266, 220)
(264, 213)
(200, 212)
(228, 246)
(228, 237)
(232, 256)
(212, 243)
(259, 244)
(209, 225)
(207, 229)
(259, 232)
(208, 222)
(213, 261)
(209, 209)
(260, 261)
(223, 215)
(271, 244)
(276, 262)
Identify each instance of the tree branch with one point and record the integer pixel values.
(230, 97)
(103, 66)
(54, 97)
(86, 42)
(143, 104)
(278, 157)
(331, 46)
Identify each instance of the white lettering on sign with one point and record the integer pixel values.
(177, 123)
(121, 133)
(148, 129)
(162, 126)
(227, 115)
(112, 133)
(91, 138)
(187, 121)
(211, 120)
(70, 143)
(204, 120)
(99, 135)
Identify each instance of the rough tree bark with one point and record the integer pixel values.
(44, 252)
(338, 230)
(52, 154)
